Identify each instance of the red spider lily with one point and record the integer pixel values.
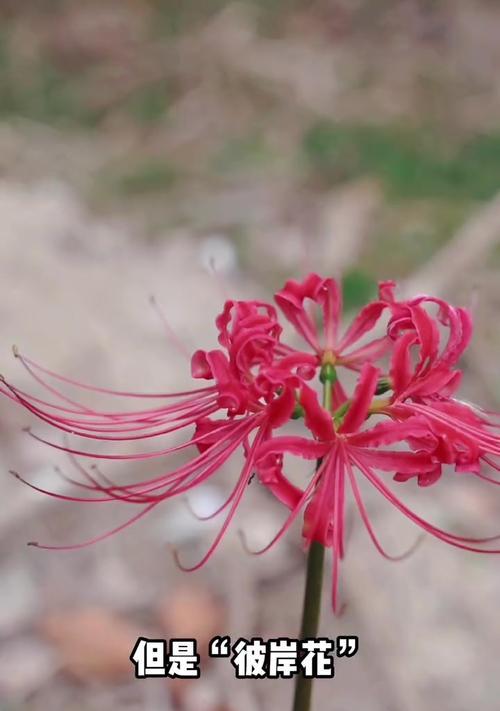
(461, 435)
(258, 384)
(340, 450)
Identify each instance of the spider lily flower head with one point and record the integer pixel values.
(340, 448)
(424, 377)
(332, 348)
(345, 451)
(256, 384)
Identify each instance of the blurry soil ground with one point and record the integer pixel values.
(142, 141)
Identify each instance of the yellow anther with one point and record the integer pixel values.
(378, 405)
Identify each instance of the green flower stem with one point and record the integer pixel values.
(314, 577)
(310, 619)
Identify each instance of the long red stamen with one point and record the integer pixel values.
(451, 538)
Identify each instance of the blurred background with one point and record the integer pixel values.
(202, 148)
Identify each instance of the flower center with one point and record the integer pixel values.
(328, 358)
